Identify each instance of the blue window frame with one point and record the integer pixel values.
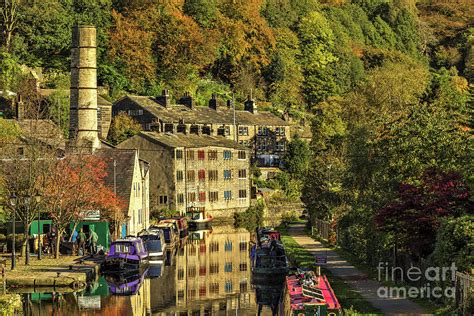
(227, 174)
(227, 195)
(227, 154)
(228, 267)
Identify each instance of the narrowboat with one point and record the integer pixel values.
(306, 293)
(173, 222)
(154, 241)
(267, 233)
(155, 269)
(200, 234)
(125, 255)
(198, 218)
(269, 259)
(126, 285)
(171, 238)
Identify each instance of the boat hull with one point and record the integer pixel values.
(198, 225)
(113, 266)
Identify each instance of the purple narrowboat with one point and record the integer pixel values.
(126, 285)
(125, 255)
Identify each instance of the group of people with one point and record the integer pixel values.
(82, 242)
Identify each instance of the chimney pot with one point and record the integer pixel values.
(164, 98)
(187, 100)
(213, 102)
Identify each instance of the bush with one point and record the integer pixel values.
(289, 217)
(251, 218)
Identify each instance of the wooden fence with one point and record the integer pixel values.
(464, 293)
(321, 229)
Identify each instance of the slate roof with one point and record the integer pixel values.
(43, 130)
(203, 114)
(125, 163)
(190, 140)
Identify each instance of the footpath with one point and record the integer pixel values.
(353, 277)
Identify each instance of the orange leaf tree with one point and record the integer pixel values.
(74, 185)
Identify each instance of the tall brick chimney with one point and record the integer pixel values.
(83, 118)
(187, 100)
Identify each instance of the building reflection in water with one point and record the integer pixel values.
(208, 275)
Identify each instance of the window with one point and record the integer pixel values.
(228, 245)
(190, 175)
(191, 272)
(202, 175)
(180, 295)
(228, 267)
(244, 143)
(243, 286)
(227, 195)
(280, 145)
(227, 174)
(223, 131)
(194, 129)
(180, 198)
(202, 196)
(180, 274)
(181, 128)
(242, 174)
(169, 128)
(228, 286)
(213, 196)
(201, 154)
(202, 270)
(243, 267)
(202, 290)
(214, 288)
(227, 154)
(242, 154)
(243, 246)
(179, 154)
(280, 131)
(20, 151)
(135, 112)
(213, 268)
(212, 175)
(191, 294)
(192, 197)
(212, 154)
(163, 199)
(206, 130)
(262, 131)
(243, 131)
(190, 155)
(242, 194)
(214, 247)
(179, 175)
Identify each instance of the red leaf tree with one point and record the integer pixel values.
(74, 185)
(415, 216)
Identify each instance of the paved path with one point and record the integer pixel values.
(353, 277)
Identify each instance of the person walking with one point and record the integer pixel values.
(93, 238)
(81, 241)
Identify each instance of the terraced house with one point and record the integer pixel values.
(211, 173)
(264, 133)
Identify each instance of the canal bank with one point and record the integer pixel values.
(65, 272)
(356, 285)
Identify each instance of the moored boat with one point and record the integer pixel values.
(182, 225)
(124, 255)
(126, 284)
(306, 293)
(169, 233)
(154, 241)
(198, 218)
(268, 256)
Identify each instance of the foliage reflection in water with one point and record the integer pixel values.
(208, 275)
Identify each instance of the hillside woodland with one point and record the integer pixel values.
(385, 84)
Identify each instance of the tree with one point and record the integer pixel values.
(297, 158)
(10, 71)
(123, 127)
(9, 132)
(317, 44)
(75, 184)
(202, 11)
(416, 214)
(9, 20)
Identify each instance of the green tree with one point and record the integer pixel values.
(297, 158)
(317, 44)
(123, 127)
(10, 71)
(204, 12)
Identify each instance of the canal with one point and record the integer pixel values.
(209, 274)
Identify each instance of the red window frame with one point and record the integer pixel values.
(201, 155)
(202, 196)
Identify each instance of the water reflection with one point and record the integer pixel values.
(208, 275)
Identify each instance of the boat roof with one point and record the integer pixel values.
(162, 225)
(128, 240)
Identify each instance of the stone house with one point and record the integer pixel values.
(264, 133)
(129, 177)
(189, 170)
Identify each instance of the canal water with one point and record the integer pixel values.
(210, 274)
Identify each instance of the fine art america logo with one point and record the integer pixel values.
(429, 278)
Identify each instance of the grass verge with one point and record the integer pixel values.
(351, 301)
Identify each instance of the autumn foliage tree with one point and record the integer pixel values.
(123, 126)
(415, 216)
(76, 184)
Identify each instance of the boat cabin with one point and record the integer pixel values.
(168, 232)
(154, 241)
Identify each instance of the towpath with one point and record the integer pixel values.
(353, 277)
